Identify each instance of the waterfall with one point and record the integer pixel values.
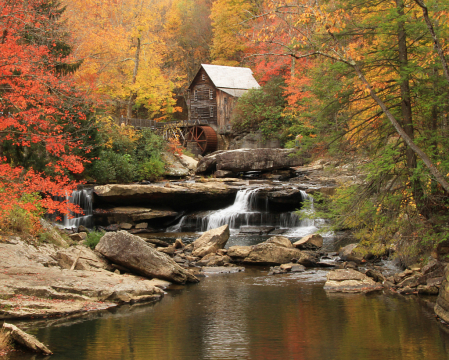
(82, 198)
(248, 209)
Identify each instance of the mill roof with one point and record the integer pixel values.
(230, 77)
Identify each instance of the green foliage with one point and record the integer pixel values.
(262, 109)
(128, 155)
(93, 238)
(151, 169)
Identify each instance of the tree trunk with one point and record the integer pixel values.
(132, 97)
(406, 109)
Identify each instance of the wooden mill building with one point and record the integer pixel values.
(214, 92)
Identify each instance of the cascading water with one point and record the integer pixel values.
(248, 209)
(82, 198)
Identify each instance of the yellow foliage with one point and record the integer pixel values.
(106, 35)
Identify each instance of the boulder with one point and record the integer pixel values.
(178, 244)
(133, 253)
(174, 166)
(26, 340)
(78, 236)
(375, 275)
(211, 241)
(348, 253)
(350, 281)
(188, 162)
(309, 242)
(271, 254)
(280, 241)
(308, 259)
(239, 252)
(249, 160)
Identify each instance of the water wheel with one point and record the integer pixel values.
(205, 138)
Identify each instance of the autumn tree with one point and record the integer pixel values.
(41, 116)
(122, 47)
(375, 89)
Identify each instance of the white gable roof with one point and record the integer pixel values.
(231, 77)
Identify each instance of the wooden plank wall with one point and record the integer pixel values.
(200, 108)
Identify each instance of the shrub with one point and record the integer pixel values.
(22, 217)
(151, 169)
(93, 238)
(113, 167)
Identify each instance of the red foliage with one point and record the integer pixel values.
(35, 108)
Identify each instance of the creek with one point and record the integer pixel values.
(251, 315)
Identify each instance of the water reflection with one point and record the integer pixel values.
(253, 316)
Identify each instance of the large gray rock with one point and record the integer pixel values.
(275, 251)
(350, 281)
(132, 252)
(349, 253)
(174, 166)
(249, 160)
(211, 241)
(26, 340)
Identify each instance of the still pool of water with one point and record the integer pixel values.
(251, 315)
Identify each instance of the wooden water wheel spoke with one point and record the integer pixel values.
(204, 137)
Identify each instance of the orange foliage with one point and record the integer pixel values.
(36, 106)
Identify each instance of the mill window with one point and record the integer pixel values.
(203, 77)
(211, 94)
(195, 95)
(211, 110)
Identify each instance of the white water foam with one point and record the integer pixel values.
(247, 210)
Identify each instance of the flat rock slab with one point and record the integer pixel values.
(26, 340)
(135, 254)
(247, 229)
(222, 269)
(349, 281)
(31, 286)
(175, 196)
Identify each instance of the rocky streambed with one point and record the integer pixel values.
(50, 283)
